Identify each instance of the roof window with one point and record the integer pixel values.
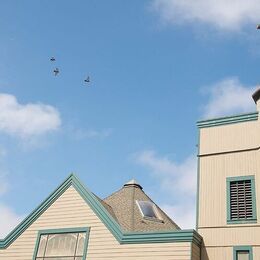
(148, 209)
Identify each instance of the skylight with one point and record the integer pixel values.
(148, 209)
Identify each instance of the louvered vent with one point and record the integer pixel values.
(241, 205)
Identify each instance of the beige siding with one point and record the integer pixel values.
(256, 252)
(225, 152)
(213, 173)
(225, 253)
(235, 236)
(231, 137)
(195, 252)
(70, 210)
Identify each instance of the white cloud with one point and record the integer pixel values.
(26, 120)
(230, 15)
(8, 220)
(183, 215)
(178, 180)
(174, 177)
(227, 97)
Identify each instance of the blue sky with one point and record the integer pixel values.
(156, 67)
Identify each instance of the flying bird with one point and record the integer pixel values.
(52, 59)
(258, 27)
(87, 79)
(56, 71)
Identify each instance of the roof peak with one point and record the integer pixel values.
(133, 183)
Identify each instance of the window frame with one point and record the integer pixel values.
(62, 231)
(235, 179)
(242, 249)
(156, 211)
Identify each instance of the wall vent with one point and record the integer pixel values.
(241, 204)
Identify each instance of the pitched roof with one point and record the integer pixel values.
(102, 212)
(125, 208)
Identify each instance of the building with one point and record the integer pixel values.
(75, 224)
(229, 186)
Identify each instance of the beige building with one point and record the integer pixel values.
(229, 186)
(75, 224)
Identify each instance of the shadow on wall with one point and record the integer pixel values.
(204, 254)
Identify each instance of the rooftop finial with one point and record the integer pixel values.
(256, 97)
(133, 183)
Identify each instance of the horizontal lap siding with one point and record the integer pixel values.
(226, 151)
(70, 210)
(195, 252)
(246, 235)
(225, 253)
(225, 138)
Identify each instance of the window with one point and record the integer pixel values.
(64, 244)
(243, 253)
(148, 210)
(241, 205)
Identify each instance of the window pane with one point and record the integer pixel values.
(42, 246)
(147, 209)
(243, 255)
(81, 243)
(61, 245)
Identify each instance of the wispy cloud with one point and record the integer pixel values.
(8, 220)
(223, 15)
(8, 217)
(178, 180)
(183, 214)
(228, 97)
(27, 120)
(174, 177)
(79, 133)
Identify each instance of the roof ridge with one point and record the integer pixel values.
(112, 225)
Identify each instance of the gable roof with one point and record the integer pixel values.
(124, 205)
(99, 209)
